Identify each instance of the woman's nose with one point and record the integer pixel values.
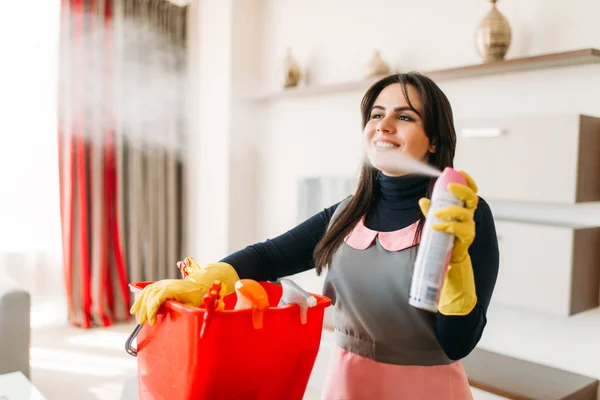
(385, 126)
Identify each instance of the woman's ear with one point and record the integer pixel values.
(432, 147)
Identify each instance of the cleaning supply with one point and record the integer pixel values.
(458, 295)
(188, 267)
(294, 294)
(189, 291)
(436, 245)
(212, 301)
(251, 295)
(232, 360)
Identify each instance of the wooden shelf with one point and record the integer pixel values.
(543, 61)
(518, 379)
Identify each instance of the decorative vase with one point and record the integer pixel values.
(291, 70)
(493, 35)
(376, 67)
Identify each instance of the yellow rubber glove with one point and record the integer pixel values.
(189, 291)
(458, 296)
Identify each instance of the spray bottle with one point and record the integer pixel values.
(252, 295)
(435, 247)
(294, 294)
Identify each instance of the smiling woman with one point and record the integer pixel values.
(396, 125)
(396, 141)
(412, 115)
(385, 348)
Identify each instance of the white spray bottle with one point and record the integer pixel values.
(294, 294)
(435, 247)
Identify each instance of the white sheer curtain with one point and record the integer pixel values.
(30, 233)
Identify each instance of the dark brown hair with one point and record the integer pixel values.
(438, 123)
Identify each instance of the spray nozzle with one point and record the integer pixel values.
(294, 294)
(251, 295)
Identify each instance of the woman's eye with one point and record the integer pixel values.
(404, 118)
(375, 116)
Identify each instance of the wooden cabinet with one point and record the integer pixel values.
(547, 268)
(548, 159)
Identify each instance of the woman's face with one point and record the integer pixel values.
(393, 127)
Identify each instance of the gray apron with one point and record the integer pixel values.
(372, 318)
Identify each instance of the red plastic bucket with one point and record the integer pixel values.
(233, 360)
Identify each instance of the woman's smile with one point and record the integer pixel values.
(385, 145)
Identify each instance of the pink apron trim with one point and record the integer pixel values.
(362, 237)
(352, 377)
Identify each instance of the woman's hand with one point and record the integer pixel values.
(459, 219)
(189, 291)
(458, 295)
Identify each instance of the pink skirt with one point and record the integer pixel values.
(352, 377)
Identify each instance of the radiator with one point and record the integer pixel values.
(318, 193)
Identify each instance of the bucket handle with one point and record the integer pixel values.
(132, 351)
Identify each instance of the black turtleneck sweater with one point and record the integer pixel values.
(396, 207)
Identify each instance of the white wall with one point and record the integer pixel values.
(335, 39)
(30, 230)
(207, 194)
(320, 135)
(224, 48)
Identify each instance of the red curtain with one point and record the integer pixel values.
(121, 134)
(94, 268)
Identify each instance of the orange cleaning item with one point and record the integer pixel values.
(231, 360)
(213, 300)
(188, 267)
(251, 295)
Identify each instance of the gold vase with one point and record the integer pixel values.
(291, 70)
(377, 66)
(493, 35)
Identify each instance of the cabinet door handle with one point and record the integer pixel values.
(482, 132)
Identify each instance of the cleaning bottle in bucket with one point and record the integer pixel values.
(435, 247)
(294, 294)
(251, 295)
